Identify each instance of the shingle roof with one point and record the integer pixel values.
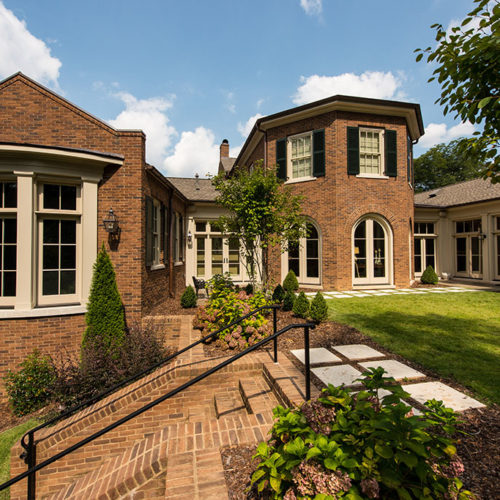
(227, 164)
(194, 189)
(462, 193)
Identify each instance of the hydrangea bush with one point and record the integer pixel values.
(359, 446)
(229, 305)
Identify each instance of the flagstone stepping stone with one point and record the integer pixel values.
(394, 368)
(437, 390)
(316, 355)
(357, 351)
(337, 375)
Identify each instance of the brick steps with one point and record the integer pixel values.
(228, 403)
(257, 395)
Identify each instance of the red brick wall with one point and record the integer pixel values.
(337, 200)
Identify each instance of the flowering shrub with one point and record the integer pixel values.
(227, 307)
(359, 446)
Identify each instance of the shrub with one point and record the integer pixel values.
(249, 289)
(429, 276)
(30, 388)
(291, 283)
(105, 317)
(360, 446)
(301, 306)
(319, 309)
(288, 301)
(278, 294)
(188, 298)
(219, 283)
(228, 307)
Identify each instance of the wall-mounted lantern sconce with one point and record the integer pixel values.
(482, 236)
(189, 238)
(110, 222)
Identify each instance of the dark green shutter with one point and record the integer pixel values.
(352, 150)
(409, 155)
(318, 153)
(164, 220)
(391, 153)
(149, 231)
(281, 158)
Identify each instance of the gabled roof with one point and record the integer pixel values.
(462, 193)
(227, 164)
(194, 189)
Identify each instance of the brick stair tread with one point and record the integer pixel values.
(257, 395)
(228, 403)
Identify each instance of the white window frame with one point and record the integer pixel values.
(496, 238)
(178, 256)
(9, 213)
(381, 167)
(156, 236)
(468, 235)
(290, 178)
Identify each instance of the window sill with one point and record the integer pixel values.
(372, 176)
(156, 267)
(300, 179)
(179, 263)
(42, 312)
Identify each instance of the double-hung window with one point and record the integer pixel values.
(371, 156)
(155, 233)
(300, 151)
(59, 213)
(8, 241)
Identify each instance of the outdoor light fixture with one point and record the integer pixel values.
(482, 236)
(190, 238)
(110, 222)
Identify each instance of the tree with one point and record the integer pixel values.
(105, 316)
(445, 164)
(263, 214)
(468, 58)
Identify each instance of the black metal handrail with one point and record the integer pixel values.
(32, 470)
(94, 399)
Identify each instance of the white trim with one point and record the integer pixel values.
(289, 159)
(372, 176)
(42, 312)
(300, 179)
(156, 267)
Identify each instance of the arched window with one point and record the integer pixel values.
(372, 252)
(303, 257)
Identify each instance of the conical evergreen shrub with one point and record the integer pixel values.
(290, 283)
(429, 276)
(301, 306)
(188, 298)
(105, 317)
(319, 309)
(288, 301)
(278, 294)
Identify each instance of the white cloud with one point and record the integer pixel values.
(230, 106)
(196, 152)
(312, 7)
(21, 51)
(437, 133)
(148, 115)
(376, 84)
(235, 151)
(245, 128)
(260, 102)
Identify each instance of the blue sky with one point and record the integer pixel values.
(191, 73)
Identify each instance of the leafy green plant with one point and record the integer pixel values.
(30, 388)
(105, 317)
(291, 283)
(188, 298)
(227, 307)
(219, 283)
(319, 309)
(249, 289)
(357, 446)
(278, 294)
(301, 306)
(429, 276)
(288, 301)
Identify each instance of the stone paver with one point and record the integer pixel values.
(441, 392)
(394, 368)
(381, 292)
(316, 355)
(357, 351)
(337, 375)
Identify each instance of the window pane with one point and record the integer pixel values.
(216, 255)
(234, 256)
(293, 265)
(68, 257)
(201, 227)
(68, 282)
(50, 283)
(68, 231)
(9, 284)
(10, 231)
(312, 268)
(9, 257)
(360, 268)
(498, 223)
(200, 256)
(50, 257)
(50, 231)
(429, 246)
(430, 228)
(68, 197)
(461, 255)
(293, 250)
(378, 231)
(460, 227)
(10, 195)
(51, 196)
(360, 230)
(312, 249)
(312, 232)
(378, 257)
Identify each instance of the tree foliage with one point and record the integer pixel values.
(263, 214)
(445, 164)
(105, 316)
(468, 70)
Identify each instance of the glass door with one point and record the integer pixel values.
(469, 248)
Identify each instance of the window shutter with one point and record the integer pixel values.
(391, 153)
(352, 150)
(319, 153)
(409, 157)
(165, 233)
(149, 231)
(281, 158)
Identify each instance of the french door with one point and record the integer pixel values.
(371, 254)
(469, 256)
(217, 255)
(425, 254)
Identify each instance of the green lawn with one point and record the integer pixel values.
(7, 439)
(454, 334)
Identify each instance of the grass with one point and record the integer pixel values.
(7, 439)
(454, 334)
